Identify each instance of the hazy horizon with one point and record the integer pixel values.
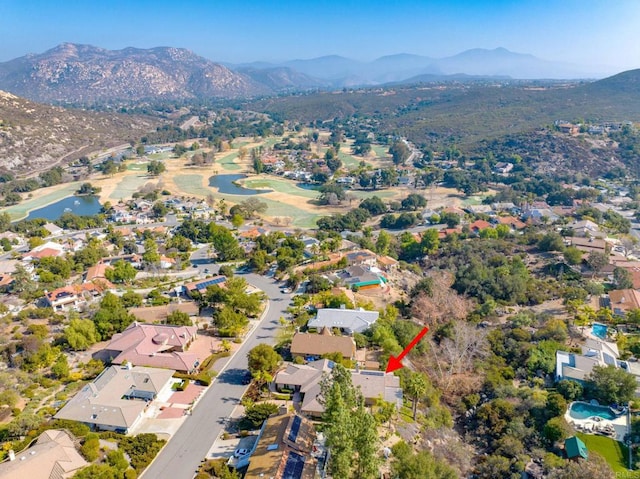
(589, 33)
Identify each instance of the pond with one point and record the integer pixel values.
(226, 185)
(308, 186)
(78, 205)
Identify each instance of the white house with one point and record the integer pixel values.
(348, 320)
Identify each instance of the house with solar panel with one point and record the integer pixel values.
(202, 285)
(595, 352)
(285, 449)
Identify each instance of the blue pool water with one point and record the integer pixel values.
(599, 330)
(583, 410)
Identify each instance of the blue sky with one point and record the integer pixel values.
(585, 32)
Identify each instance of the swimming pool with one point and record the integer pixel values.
(599, 330)
(583, 410)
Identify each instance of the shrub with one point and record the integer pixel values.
(183, 385)
(90, 449)
(257, 413)
(76, 428)
(141, 449)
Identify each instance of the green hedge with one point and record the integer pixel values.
(207, 363)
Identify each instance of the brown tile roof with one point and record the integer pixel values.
(52, 456)
(448, 231)
(74, 289)
(5, 280)
(479, 225)
(589, 244)
(624, 299)
(511, 221)
(319, 344)
(268, 461)
(455, 210)
(387, 261)
(634, 271)
(45, 253)
(97, 271)
(253, 233)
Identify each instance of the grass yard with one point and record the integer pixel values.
(40, 198)
(615, 453)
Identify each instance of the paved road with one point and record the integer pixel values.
(182, 455)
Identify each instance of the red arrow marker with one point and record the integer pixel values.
(396, 362)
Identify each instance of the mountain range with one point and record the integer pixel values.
(85, 74)
(498, 62)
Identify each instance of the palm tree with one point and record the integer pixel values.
(416, 386)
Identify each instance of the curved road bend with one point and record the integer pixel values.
(182, 455)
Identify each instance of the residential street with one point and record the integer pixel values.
(182, 455)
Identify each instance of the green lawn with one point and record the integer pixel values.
(227, 162)
(360, 194)
(165, 155)
(474, 200)
(380, 151)
(615, 453)
(282, 186)
(39, 200)
(193, 184)
(137, 166)
(272, 141)
(128, 186)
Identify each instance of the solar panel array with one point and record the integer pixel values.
(295, 427)
(210, 282)
(294, 467)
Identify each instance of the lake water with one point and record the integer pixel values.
(308, 186)
(78, 205)
(225, 185)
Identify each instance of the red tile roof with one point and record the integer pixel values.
(152, 345)
(479, 225)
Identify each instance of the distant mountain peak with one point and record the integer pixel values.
(78, 73)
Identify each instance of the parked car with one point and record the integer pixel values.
(241, 452)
